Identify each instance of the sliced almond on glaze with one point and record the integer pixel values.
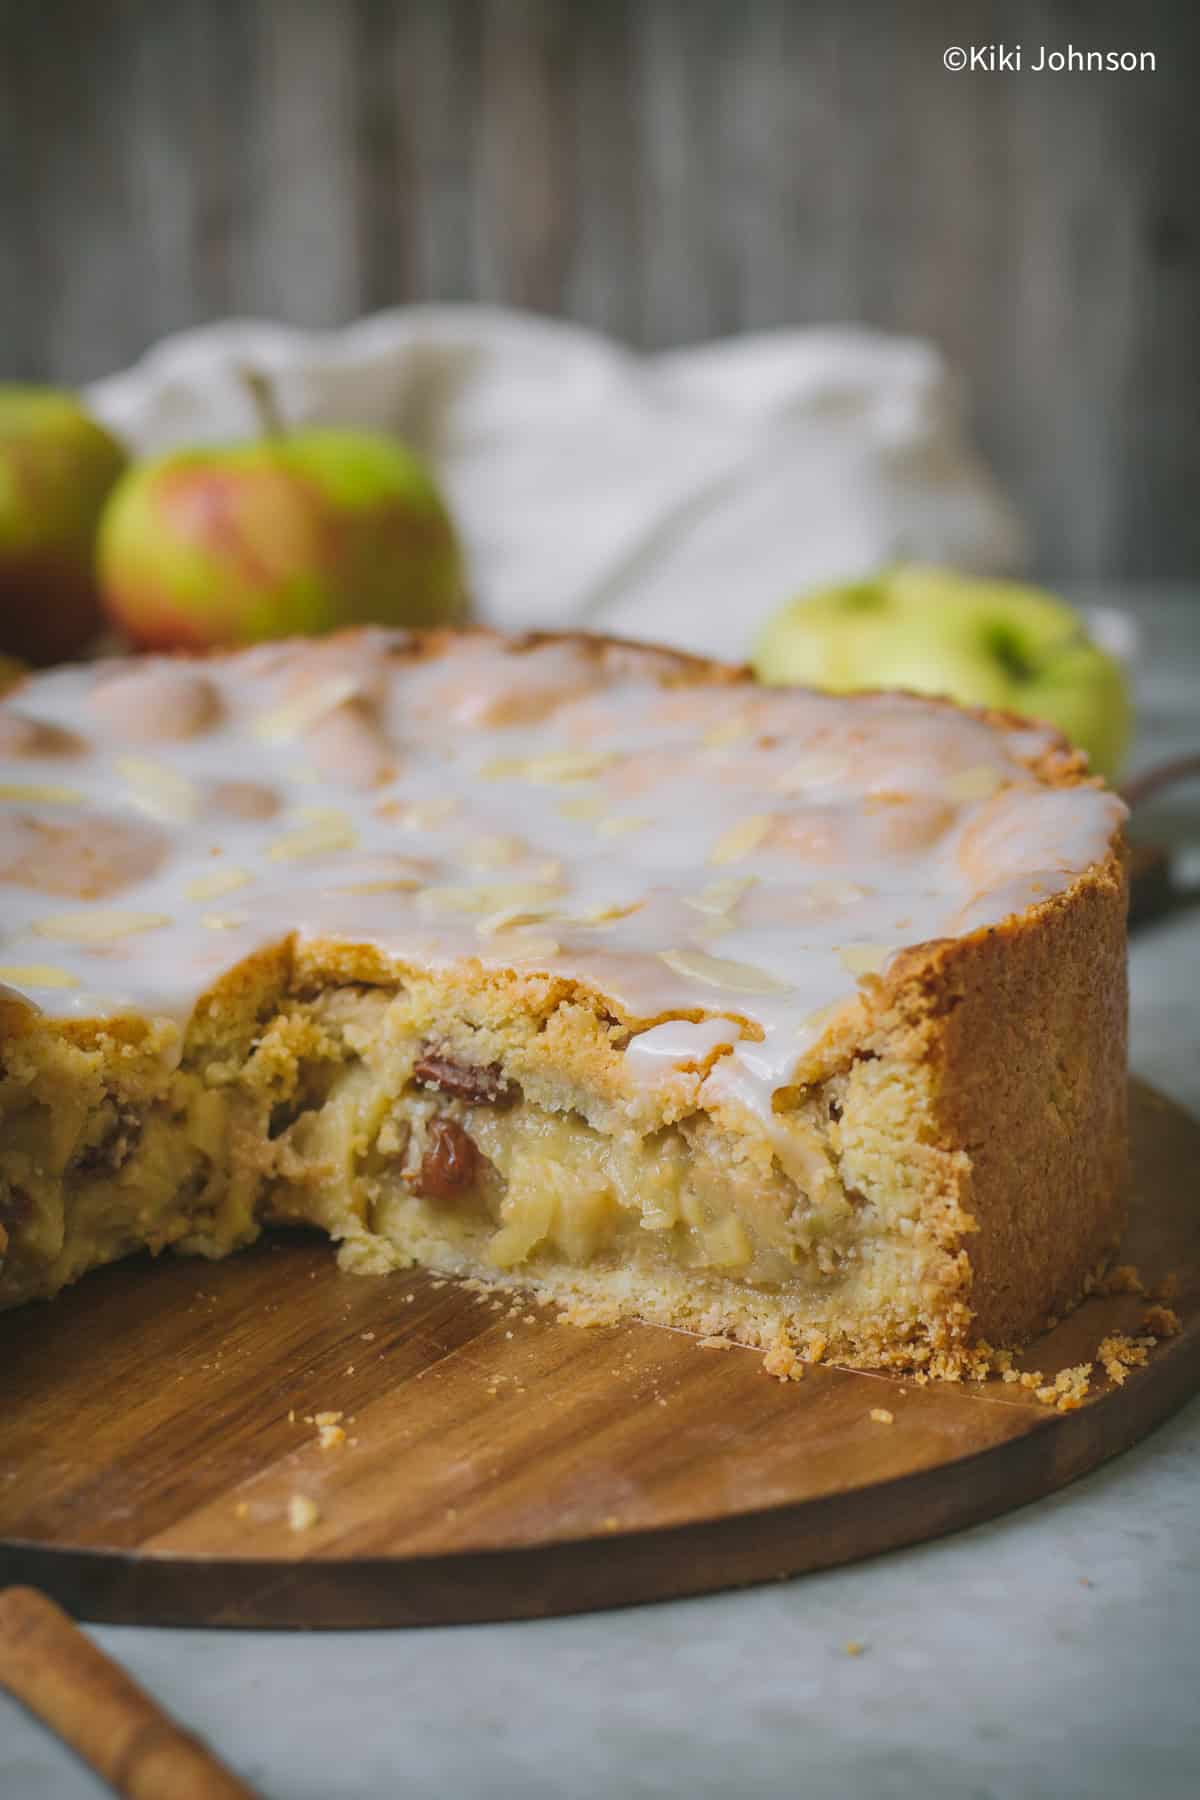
(45, 792)
(720, 896)
(398, 884)
(559, 765)
(979, 783)
(836, 893)
(583, 809)
(606, 915)
(729, 731)
(419, 815)
(452, 897)
(712, 927)
(37, 975)
(491, 897)
(328, 830)
(548, 870)
(864, 959)
(99, 926)
(720, 972)
(158, 789)
(221, 881)
(531, 946)
(493, 852)
(282, 723)
(810, 771)
(508, 918)
(741, 838)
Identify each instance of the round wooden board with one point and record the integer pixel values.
(157, 1421)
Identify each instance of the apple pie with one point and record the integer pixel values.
(570, 965)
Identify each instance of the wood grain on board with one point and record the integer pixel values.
(159, 1421)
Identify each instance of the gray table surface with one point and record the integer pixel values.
(1055, 1652)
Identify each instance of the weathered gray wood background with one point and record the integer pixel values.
(663, 169)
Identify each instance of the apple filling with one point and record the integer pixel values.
(550, 1188)
(461, 1162)
(87, 1177)
(348, 1111)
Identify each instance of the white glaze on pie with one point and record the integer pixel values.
(691, 852)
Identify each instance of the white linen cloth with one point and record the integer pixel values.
(679, 497)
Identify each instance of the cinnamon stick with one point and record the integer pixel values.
(71, 1686)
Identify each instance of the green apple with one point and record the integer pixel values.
(56, 468)
(301, 532)
(983, 643)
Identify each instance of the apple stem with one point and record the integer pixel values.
(264, 400)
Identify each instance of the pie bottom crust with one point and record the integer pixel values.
(955, 1180)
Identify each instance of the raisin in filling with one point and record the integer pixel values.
(477, 1084)
(450, 1163)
